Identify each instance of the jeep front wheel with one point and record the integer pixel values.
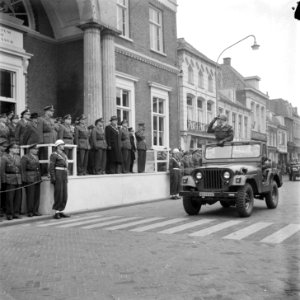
(191, 206)
(272, 196)
(245, 200)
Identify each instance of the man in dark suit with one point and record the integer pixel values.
(31, 134)
(21, 126)
(223, 131)
(141, 147)
(30, 169)
(125, 146)
(133, 148)
(113, 139)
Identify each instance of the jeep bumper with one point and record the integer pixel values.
(210, 195)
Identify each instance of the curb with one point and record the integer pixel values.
(25, 219)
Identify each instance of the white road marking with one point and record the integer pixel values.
(282, 234)
(185, 226)
(242, 233)
(157, 225)
(215, 228)
(132, 224)
(60, 221)
(87, 222)
(109, 223)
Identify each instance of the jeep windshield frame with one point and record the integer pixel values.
(233, 151)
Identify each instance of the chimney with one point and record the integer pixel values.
(227, 61)
(253, 81)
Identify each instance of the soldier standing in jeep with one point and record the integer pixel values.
(223, 131)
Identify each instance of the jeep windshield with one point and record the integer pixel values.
(232, 151)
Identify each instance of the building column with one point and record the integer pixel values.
(108, 74)
(93, 104)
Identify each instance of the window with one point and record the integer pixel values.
(190, 75)
(257, 113)
(220, 110)
(227, 113)
(234, 121)
(7, 84)
(159, 116)
(156, 34)
(122, 17)
(123, 105)
(189, 107)
(210, 83)
(252, 115)
(200, 80)
(209, 111)
(246, 127)
(200, 113)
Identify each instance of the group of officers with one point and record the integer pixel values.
(101, 149)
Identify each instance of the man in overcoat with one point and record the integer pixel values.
(223, 131)
(21, 126)
(133, 148)
(114, 153)
(31, 134)
(141, 147)
(31, 178)
(125, 146)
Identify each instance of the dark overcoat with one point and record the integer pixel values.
(113, 139)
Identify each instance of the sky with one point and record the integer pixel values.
(212, 25)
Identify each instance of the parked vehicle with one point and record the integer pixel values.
(233, 175)
(294, 171)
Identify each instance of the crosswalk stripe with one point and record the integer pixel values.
(87, 222)
(67, 221)
(282, 234)
(185, 226)
(215, 228)
(157, 225)
(110, 223)
(132, 224)
(242, 233)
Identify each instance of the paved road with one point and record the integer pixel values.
(156, 251)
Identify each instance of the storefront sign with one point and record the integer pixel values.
(10, 38)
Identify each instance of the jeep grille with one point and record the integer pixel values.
(212, 179)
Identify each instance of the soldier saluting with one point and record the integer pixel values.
(223, 131)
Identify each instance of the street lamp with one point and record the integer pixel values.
(255, 46)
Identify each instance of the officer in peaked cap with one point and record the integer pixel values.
(223, 131)
(21, 126)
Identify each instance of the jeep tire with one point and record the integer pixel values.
(191, 206)
(272, 196)
(245, 200)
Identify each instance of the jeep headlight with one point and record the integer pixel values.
(226, 175)
(198, 175)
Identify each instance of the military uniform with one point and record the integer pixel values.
(126, 147)
(175, 175)
(83, 146)
(58, 169)
(100, 146)
(20, 130)
(222, 133)
(142, 149)
(132, 151)
(30, 168)
(11, 174)
(31, 134)
(66, 133)
(4, 133)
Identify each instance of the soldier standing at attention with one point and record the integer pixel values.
(83, 145)
(58, 169)
(223, 131)
(3, 146)
(141, 147)
(66, 133)
(12, 125)
(11, 173)
(126, 147)
(133, 148)
(4, 130)
(21, 126)
(30, 168)
(114, 153)
(31, 134)
(175, 174)
(47, 133)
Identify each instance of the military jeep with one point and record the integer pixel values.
(233, 174)
(294, 171)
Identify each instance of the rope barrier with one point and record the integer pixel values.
(21, 187)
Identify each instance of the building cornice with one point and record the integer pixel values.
(255, 91)
(145, 59)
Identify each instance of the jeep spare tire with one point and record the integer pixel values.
(272, 196)
(191, 206)
(245, 200)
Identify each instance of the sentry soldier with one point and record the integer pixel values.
(223, 131)
(11, 174)
(58, 169)
(141, 147)
(175, 167)
(31, 178)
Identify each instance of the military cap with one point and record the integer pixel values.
(34, 116)
(98, 120)
(3, 115)
(15, 117)
(91, 127)
(49, 107)
(59, 142)
(24, 112)
(82, 117)
(32, 146)
(130, 129)
(222, 117)
(10, 146)
(142, 124)
(124, 122)
(67, 117)
(114, 118)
